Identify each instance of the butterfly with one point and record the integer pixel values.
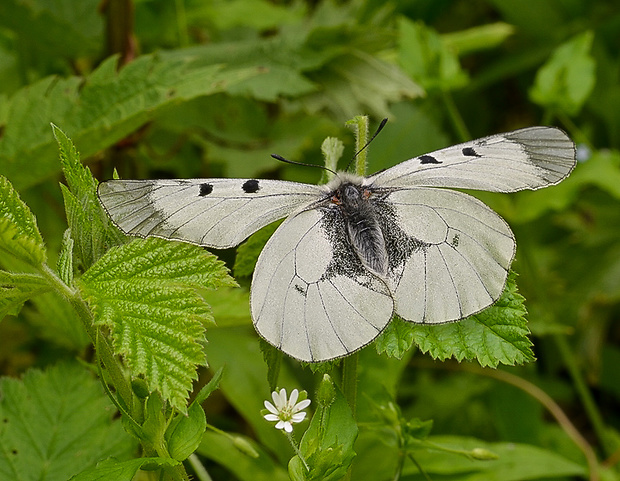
(355, 251)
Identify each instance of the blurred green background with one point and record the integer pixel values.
(161, 88)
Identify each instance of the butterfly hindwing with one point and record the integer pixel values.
(217, 213)
(528, 158)
(311, 296)
(463, 254)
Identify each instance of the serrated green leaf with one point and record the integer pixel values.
(496, 335)
(19, 234)
(47, 416)
(99, 110)
(565, 82)
(89, 226)
(15, 289)
(145, 293)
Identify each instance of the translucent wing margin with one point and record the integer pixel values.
(218, 213)
(529, 158)
(462, 260)
(310, 298)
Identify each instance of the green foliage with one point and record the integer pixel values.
(144, 292)
(48, 416)
(210, 89)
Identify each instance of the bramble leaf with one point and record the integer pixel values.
(48, 417)
(499, 334)
(145, 292)
(19, 234)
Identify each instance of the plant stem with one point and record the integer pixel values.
(349, 381)
(583, 391)
(457, 121)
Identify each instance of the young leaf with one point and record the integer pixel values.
(49, 416)
(565, 82)
(89, 226)
(327, 444)
(145, 293)
(499, 334)
(19, 234)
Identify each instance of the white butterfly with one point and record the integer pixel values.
(356, 251)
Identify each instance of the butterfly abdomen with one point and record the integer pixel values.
(363, 227)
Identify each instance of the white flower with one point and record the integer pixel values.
(286, 412)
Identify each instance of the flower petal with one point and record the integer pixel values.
(281, 424)
(271, 417)
(288, 427)
(297, 418)
(293, 399)
(301, 405)
(271, 408)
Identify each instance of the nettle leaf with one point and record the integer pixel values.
(19, 234)
(499, 334)
(145, 292)
(48, 417)
(99, 110)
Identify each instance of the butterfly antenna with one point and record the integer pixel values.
(379, 129)
(294, 162)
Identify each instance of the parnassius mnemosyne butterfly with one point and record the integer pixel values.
(357, 250)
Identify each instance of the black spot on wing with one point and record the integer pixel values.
(470, 152)
(250, 186)
(428, 159)
(205, 189)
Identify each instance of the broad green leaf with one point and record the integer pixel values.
(499, 334)
(145, 293)
(245, 467)
(50, 416)
(114, 470)
(15, 289)
(424, 56)
(327, 444)
(514, 462)
(98, 111)
(185, 432)
(19, 235)
(49, 27)
(565, 82)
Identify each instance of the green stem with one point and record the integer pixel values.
(349, 381)
(455, 116)
(103, 349)
(199, 470)
(296, 448)
(582, 390)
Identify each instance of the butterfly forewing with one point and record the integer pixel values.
(217, 213)
(311, 296)
(529, 158)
